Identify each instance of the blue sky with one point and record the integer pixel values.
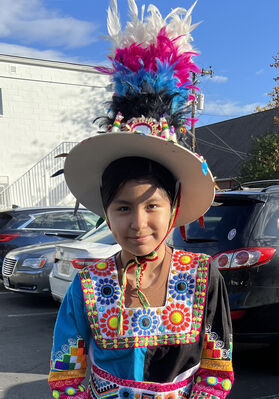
(237, 38)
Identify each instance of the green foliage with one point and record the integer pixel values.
(274, 95)
(263, 159)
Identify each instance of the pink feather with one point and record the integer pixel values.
(165, 50)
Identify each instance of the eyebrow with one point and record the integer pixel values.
(123, 201)
(120, 201)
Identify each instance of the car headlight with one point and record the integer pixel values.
(35, 263)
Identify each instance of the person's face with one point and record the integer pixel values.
(139, 217)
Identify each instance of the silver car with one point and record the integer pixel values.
(26, 269)
(70, 256)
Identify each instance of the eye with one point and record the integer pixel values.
(123, 208)
(152, 206)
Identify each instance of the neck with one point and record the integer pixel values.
(125, 257)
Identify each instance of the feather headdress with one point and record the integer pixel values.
(151, 64)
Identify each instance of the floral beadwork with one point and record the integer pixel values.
(107, 291)
(108, 322)
(177, 322)
(176, 317)
(219, 383)
(182, 286)
(185, 261)
(102, 268)
(144, 321)
(126, 393)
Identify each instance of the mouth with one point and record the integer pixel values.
(140, 239)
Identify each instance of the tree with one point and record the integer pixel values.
(263, 159)
(274, 101)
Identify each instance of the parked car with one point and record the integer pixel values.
(26, 226)
(242, 234)
(26, 269)
(71, 256)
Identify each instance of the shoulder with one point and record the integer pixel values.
(98, 267)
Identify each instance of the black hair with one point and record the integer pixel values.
(125, 169)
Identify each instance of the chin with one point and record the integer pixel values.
(141, 250)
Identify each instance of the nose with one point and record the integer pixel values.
(138, 219)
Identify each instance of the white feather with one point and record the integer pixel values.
(142, 12)
(133, 9)
(145, 30)
(113, 23)
(154, 22)
(176, 11)
(180, 25)
(134, 31)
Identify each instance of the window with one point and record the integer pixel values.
(37, 223)
(4, 219)
(90, 219)
(271, 228)
(102, 235)
(1, 103)
(55, 220)
(226, 221)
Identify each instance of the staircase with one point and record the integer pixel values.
(36, 187)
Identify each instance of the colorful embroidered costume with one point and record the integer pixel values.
(179, 350)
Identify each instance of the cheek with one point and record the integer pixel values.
(161, 221)
(117, 224)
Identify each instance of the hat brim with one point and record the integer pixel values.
(85, 164)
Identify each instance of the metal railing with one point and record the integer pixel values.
(36, 187)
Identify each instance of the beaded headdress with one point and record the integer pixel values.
(151, 71)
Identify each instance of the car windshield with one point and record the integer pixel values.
(223, 220)
(101, 235)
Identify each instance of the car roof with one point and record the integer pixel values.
(39, 209)
(253, 193)
(241, 194)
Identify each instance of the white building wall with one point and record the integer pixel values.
(44, 104)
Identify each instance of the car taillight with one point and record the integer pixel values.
(237, 314)
(244, 257)
(7, 237)
(81, 263)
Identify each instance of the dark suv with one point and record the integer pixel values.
(242, 234)
(25, 226)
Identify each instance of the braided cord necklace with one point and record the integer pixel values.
(140, 262)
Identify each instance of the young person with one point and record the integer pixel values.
(154, 321)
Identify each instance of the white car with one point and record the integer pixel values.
(96, 244)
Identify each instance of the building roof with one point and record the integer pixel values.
(225, 144)
(12, 59)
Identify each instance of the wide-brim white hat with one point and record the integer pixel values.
(85, 164)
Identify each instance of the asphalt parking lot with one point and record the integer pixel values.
(26, 326)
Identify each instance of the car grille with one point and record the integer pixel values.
(8, 266)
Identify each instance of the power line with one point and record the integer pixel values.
(214, 134)
(220, 147)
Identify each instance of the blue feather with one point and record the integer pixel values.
(155, 82)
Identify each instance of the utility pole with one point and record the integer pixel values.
(194, 103)
(194, 77)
